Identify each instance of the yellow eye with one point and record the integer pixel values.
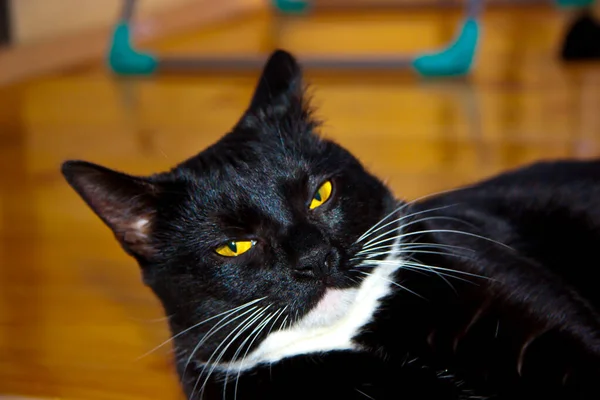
(322, 195)
(234, 248)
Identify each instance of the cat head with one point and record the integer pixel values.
(261, 226)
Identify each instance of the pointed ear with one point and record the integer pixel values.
(281, 79)
(125, 203)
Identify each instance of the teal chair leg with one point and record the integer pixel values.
(574, 3)
(457, 59)
(291, 6)
(123, 59)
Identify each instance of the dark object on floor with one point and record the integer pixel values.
(4, 23)
(582, 41)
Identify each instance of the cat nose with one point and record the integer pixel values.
(319, 261)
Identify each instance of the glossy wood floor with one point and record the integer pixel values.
(75, 320)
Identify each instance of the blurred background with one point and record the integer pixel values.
(75, 320)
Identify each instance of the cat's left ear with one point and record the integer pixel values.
(125, 203)
(280, 82)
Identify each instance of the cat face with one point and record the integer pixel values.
(256, 234)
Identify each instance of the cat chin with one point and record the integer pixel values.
(332, 324)
(331, 308)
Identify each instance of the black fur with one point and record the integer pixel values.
(518, 318)
(532, 329)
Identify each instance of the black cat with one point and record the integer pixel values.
(290, 272)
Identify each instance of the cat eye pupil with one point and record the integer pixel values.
(232, 246)
(318, 196)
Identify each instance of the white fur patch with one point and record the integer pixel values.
(141, 226)
(330, 325)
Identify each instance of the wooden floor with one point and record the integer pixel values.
(75, 320)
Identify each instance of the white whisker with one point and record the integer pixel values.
(215, 364)
(368, 244)
(364, 394)
(441, 275)
(425, 245)
(393, 283)
(404, 235)
(286, 320)
(235, 331)
(414, 245)
(368, 231)
(446, 272)
(256, 330)
(406, 262)
(211, 332)
(368, 257)
(405, 205)
(198, 324)
(409, 216)
(281, 312)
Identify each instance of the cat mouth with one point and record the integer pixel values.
(338, 280)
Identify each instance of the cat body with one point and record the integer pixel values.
(530, 329)
(289, 271)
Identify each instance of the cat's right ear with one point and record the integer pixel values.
(125, 203)
(280, 80)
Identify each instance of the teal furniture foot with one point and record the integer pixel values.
(574, 3)
(292, 6)
(457, 59)
(123, 59)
